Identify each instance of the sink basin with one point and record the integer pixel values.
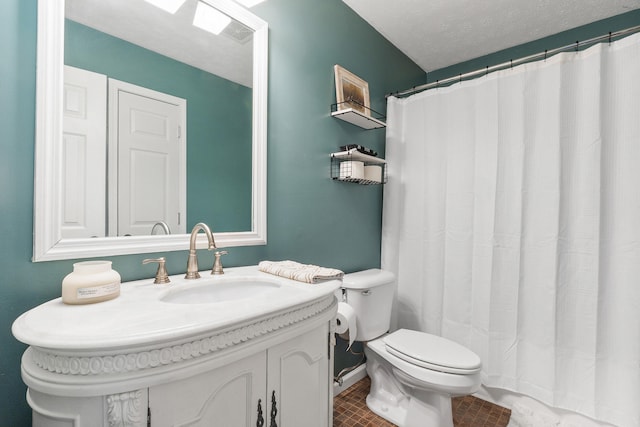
(226, 291)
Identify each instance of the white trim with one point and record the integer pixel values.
(49, 95)
(259, 155)
(350, 379)
(48, 244)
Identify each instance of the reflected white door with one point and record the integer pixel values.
(148, 129)
(84, 154)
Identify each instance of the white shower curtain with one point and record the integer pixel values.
(512, 221)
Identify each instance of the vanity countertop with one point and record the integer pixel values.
(141, 316)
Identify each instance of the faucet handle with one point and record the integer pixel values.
(161, 274)
(217, 265)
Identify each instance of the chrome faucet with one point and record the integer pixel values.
(192, 262)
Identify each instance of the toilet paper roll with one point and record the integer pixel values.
(346, 323)
(373, 173)
(352, 169)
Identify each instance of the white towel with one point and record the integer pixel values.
(302, 272)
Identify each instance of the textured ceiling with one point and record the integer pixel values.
(138, 22)
(439, 33)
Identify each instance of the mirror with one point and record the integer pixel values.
(50, 243)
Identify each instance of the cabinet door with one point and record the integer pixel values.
(227, 396)
(298, 373)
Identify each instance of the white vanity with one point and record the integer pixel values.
(243, 349)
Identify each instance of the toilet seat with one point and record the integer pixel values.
(432, 352)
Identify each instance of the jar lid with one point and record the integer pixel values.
(87, 267)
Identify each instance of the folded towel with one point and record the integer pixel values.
(302, 272)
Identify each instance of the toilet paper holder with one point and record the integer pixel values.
(348, 326)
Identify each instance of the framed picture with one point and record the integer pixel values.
(351, 91)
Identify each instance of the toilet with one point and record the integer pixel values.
(413, 374)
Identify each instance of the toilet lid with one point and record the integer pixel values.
(432, 352)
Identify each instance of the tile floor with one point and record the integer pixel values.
(350, 410)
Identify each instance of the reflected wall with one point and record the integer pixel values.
(219, 116)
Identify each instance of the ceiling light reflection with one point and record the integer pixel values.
(210, 19)
(170, 6)
(249, 3)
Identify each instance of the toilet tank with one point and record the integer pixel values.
(370, 294)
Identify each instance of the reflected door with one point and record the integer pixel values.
(84, 154)
(149, 179)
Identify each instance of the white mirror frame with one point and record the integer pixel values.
(48, 244)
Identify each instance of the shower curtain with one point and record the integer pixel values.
(512, 221)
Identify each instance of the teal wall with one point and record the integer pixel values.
(310, 217)
(218, 121)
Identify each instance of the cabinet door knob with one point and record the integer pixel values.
(260, 421)
(274, 410)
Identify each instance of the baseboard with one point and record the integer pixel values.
(350, 379)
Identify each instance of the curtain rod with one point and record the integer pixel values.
(547, 53)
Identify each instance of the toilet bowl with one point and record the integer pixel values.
(415, 390)
(413, 374)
